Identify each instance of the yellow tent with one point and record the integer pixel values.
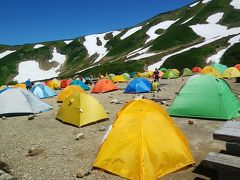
(144, 143)
(175, 71)
(81, 109)
(211, 71)
(144, 75)
(23, 86)
(150, 73)
(119, 78)
(231, 72)
(68, 91)
(54, 84)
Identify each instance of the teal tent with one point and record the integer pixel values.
(206, 97)
(220, 67)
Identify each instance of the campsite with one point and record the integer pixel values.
(46, 148)
(114, 89)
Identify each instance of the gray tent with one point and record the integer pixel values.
(17, 101)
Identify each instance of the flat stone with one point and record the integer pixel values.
(31, 117)
(102, 128)
(80, 136)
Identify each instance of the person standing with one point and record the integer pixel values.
(156, 75)
(28, 84)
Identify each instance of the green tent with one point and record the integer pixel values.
(187, 72)
(206, 97)
(220, 67)
(126, 76)
(169, 75)
(163, 69)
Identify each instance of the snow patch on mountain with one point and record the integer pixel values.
(38, 46)
(229, 32)
(91, 44)
(30, 69)
(162, 25)
(130, 32)
(140, 51)
(206, 1)
(217, 57)
(57, 57)
(235, 4)
(187, 20)
(67, 41)
(215, 18)
(211, 29)
(141, 56)
(192, 5)
(5, 53)
(90, 67)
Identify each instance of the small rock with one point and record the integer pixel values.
(115, 101)
(34, 151)
(40, 169)
(91, 133)
(110, 96)
(167, 104)
(163, 102)
(79, 175)
(4, 118)
(63, 147)
(31, 117)
(80, 136)
(102, 128)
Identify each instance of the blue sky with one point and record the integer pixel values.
(30, 21)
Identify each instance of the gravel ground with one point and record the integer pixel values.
(56, 154)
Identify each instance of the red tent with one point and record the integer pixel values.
(196, 69)
(237, 66)
(65, 83)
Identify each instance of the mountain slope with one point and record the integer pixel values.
(200, 33)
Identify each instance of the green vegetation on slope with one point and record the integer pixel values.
(115, 67)
(193, 57)
(232, 56)
(118, 46)
(175, 36)
(75, 51)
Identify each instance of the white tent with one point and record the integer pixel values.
(20, 101)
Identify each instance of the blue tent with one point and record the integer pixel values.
(138, 85)
(42, 91)
(80, 84)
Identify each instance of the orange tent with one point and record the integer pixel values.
(104, 85)
(54, 84)
(237, 66)
(65, 83)
(196, 69)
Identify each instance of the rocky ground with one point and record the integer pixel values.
(45, 148)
